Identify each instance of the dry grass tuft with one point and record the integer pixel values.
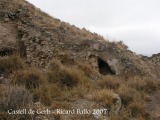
(55, 65)
(6, 116)
(31, 78)
(71, 77)
(104, 97)
(145, 84)
(14, 97)
(87, 69)
(46, 93)
(64, 76)
(137, 109)
(126, 94)
(10, 63)
(109, 82)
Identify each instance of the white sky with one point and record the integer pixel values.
(135, 22)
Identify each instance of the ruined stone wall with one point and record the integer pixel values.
(39, 46)
(154, 59)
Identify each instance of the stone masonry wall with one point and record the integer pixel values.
(39, 46)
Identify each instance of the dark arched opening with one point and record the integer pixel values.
(6, 52)
(104, 68)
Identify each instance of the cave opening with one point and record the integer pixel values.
(104, 68)
(6, 52)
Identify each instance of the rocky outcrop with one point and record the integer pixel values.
(154, 59)
(39, 43)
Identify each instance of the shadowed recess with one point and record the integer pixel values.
(104, 68)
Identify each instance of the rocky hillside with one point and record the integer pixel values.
(39, 38)
(47, 46)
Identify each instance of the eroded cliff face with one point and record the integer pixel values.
(154, 63)
(30, 32)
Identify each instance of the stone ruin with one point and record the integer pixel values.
(39, 46)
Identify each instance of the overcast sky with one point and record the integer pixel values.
(135, 22)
